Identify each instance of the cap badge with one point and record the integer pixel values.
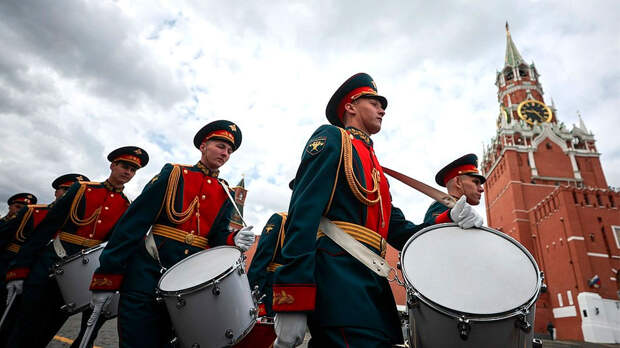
(373, 84)
(137, 151)
(233, 127)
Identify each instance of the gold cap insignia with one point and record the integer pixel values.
(137, 151)
(233, 127)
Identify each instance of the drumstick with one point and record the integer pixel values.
(432, 192)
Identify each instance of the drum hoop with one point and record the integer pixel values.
(79, 254)
(475, 317)
(205, 284)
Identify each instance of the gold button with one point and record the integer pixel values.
(92, 235)
(111, 195)
(98, 221)
(106, 208)
(197, 214)
(89, 190)
(192, 231)
(208, 181)
(186, 251)
(184, 171)
(203, 197)
(36, 211)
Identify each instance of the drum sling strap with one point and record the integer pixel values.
(356, 249)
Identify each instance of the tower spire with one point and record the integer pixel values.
(513, 57)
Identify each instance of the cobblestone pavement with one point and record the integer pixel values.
(108, 337)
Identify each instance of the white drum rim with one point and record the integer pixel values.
(80, 254)
(411, 290)
(205, 284)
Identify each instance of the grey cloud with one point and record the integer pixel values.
(88, 41)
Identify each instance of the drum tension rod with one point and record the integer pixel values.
(522, 323)
(464, 327)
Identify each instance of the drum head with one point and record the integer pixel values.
(199, 268)
(477, 271)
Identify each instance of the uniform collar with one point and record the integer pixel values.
(359, 135)
(109, 187)
(206, 171)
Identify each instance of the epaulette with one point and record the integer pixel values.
(89, 183)
(38, 205)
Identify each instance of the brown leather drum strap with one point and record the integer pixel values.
(432, 192)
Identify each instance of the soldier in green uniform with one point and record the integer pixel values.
(16, 202)
(188, 210)
(344, 303)
(266, 260)
(462, 178)
(15, 233)
(82, 218)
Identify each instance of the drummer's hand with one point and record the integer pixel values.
(290, 328)
(464, 214)
(99, 298)
(14, 287)
(245, 238)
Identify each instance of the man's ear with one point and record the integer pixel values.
(203, 146)
(458, 182)
(350, 108)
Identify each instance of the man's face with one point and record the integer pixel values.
(472, 188)
(59, 192)
(122, 172)
(15, 207)
(215, 153)
(369, 114)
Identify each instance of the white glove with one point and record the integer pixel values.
(290, 328)
(14, 287)
(100, 298)
(464, 214)
(245, 238)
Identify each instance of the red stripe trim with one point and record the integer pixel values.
(129, 158)
(106, 281)
(464, 169)
(294, 298)
(222, 134)
(17, 273)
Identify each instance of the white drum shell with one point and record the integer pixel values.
(199, 316)
(74, 275)
(433, 325)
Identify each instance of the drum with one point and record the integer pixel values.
(74, 275)
(209, 299)
(469, 288)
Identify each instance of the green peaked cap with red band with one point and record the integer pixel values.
(220, 130)
(130, 154)
(466, 165)
(68, 180)
(23, 198)
(358, 86)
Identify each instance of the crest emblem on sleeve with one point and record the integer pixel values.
(316, 145)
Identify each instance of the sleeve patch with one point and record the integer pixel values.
(316, 145)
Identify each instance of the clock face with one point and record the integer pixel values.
(533, 112)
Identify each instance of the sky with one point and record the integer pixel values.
(81, 78)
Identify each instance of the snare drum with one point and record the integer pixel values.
(469, 288)
(74, 275)
(209, 299)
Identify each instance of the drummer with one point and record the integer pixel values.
(188, 210)
(266, 260)
(83, 217)
(462, 178)
(16, 202)
(339, 177)
(15, 234)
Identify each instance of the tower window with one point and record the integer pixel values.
(509, 75)
(586, 199)
(616, 232)
(575, 197)
(548, 146)
(522, 72)
(611, 201)
(598, 200)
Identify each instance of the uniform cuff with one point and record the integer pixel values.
(294, 298)
(17, 273)
(106, 282)
(231, 239)
(262, 310)
(443, 217)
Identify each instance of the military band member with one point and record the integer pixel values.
(15, 233)
(188, 210)
(266, 260)
(462, 178)
(344, 303)
(16, 202)
(82, 218)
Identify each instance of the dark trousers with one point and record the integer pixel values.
(83, 325)
(347, 337)
(11, 318)
(142, 322)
